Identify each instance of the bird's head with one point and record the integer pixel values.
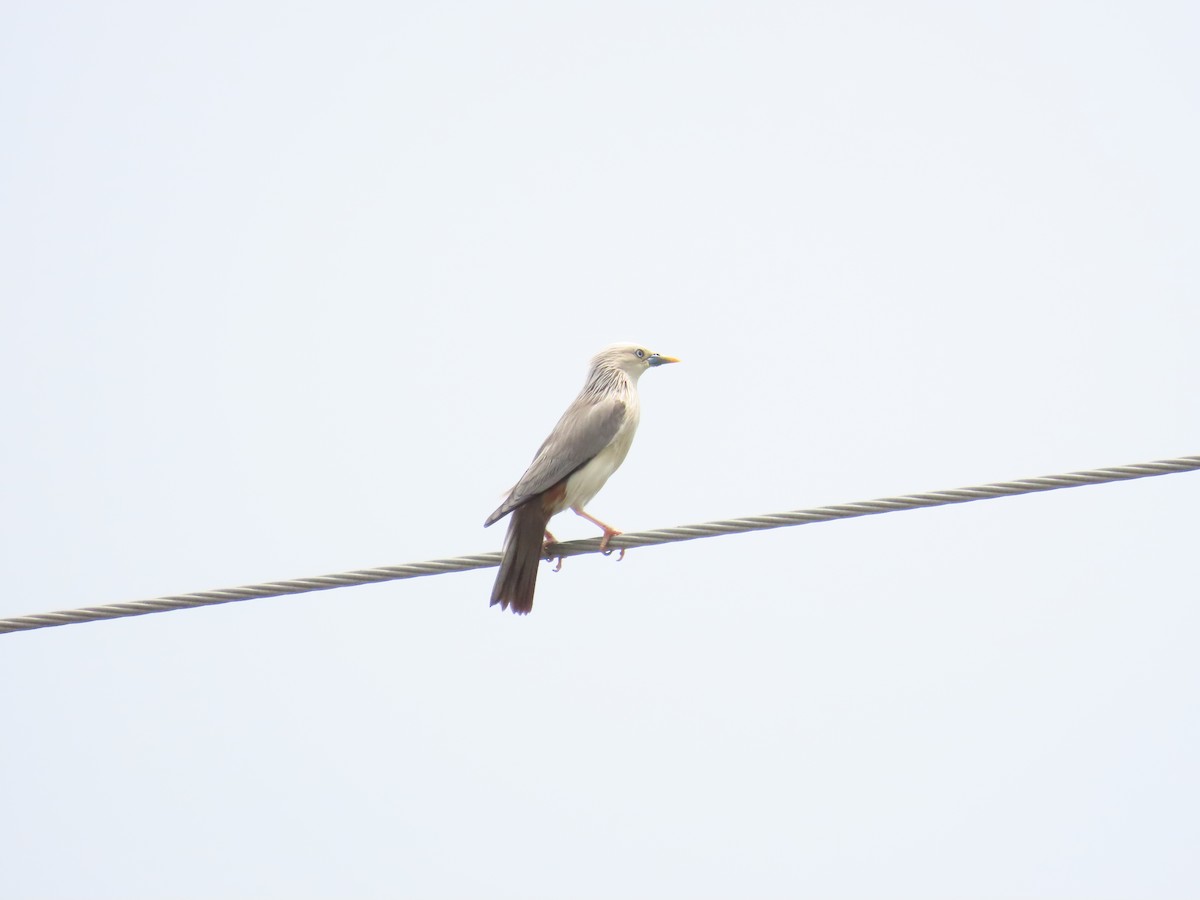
(632, 359)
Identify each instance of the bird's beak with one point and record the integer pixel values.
(656, 360)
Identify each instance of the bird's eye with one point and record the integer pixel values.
(640, 353)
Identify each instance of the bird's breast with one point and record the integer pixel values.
(587, 480)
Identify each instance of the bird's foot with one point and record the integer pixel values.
(605, 549)
(609, 532)
(558, 561)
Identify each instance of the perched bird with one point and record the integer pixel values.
(586, 446)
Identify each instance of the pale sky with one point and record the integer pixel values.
(291, 290)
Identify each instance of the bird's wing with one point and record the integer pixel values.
(587, 427)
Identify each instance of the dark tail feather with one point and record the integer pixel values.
(522, 555)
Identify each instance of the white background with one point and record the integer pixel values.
(291, 289)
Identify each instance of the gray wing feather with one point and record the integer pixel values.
(587, 427)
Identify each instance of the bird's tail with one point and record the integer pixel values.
(522, 555)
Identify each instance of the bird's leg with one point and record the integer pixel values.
(609, 532)
(551, 539)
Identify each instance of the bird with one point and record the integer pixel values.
(587, 445)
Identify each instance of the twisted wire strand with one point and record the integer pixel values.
(592, 545)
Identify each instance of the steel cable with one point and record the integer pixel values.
(592, 545)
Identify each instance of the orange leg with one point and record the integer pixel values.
(609, 532)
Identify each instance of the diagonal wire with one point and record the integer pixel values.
(592, 545)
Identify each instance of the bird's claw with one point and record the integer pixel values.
(552, 557)
(607, 550)
(549, 541)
